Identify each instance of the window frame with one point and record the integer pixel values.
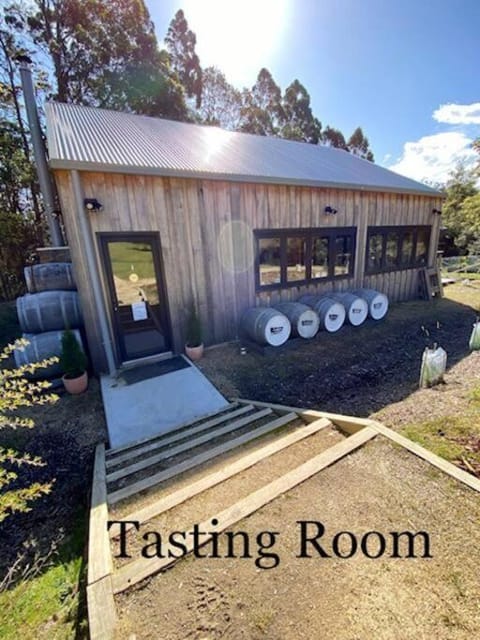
(309, 234)
(402, 231)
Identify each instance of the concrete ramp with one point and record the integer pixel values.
(141, 406)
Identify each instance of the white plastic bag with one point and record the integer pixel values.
(434, 363)
(475, 337)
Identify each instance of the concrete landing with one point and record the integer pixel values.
(157, 405)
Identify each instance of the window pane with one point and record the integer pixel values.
(375, 252)
(269, 260)
(296, 259)
(391, 254)
(407, 248)
(423, 237)
(343, 255)
(320, 258)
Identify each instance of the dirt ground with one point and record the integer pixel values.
(356, 371)
(378, 487)
(373, 369)
(370, 370)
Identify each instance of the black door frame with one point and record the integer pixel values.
(148, 237)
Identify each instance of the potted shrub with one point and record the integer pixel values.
(194, 344)
(74, 364)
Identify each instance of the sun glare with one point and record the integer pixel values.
(239, 37)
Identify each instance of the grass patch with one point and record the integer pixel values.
(455, 437)
(49, 605)
(464, 294)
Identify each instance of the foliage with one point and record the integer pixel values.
(72, 358)
(461, 209)
(101, 53)
(332, 137)
(262, 111)
(221, 102)
(16, 392)
(299, 123)
(358, 145)
(194, 328)
(181, 41)
(9, 328)
(21, 218)
(18, 238)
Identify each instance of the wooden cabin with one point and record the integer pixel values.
(161, 215)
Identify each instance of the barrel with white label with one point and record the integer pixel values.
(377, 302)
(48, 311)
(355, 306)
(42, 346)
(330, 312)
(304, 320)
(266, 326)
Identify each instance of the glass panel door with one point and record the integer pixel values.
(138, 301)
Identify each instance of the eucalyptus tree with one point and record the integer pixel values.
(180, 42)
(358, 145)
(299, 123)
(262, 111)
(221, 102)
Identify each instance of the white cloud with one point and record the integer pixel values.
(432, 158)
(458, 113)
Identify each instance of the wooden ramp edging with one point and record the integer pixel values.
(349, 424)
(103, 582)
(181, 495)
(442, 464)
(102, 614)
(138, 570)
(353, 425)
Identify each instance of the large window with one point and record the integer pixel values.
(393, 248)
(289, 257)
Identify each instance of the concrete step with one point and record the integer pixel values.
(161, 442)
(116, 452)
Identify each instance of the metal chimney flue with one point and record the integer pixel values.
(40, 153)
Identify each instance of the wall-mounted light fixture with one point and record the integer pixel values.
(92, 204)
(437, 211)
(330, 211)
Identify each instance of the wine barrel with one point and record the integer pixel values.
(49, 311)
(266, 326)
(377, 302)
(304, 320)
(51, 276)
(41, 346)
(330, 311)
(356, 307)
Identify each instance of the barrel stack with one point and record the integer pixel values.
(51, 305)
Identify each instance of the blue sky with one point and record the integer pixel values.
(408, 72)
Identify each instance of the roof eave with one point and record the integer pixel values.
(96, 167)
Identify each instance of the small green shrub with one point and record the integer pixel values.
(72, 358)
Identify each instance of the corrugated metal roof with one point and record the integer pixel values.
(86, 138)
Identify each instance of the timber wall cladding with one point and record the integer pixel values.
(207, 245)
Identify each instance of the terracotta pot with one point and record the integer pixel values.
(194, 353)
(76, 385)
